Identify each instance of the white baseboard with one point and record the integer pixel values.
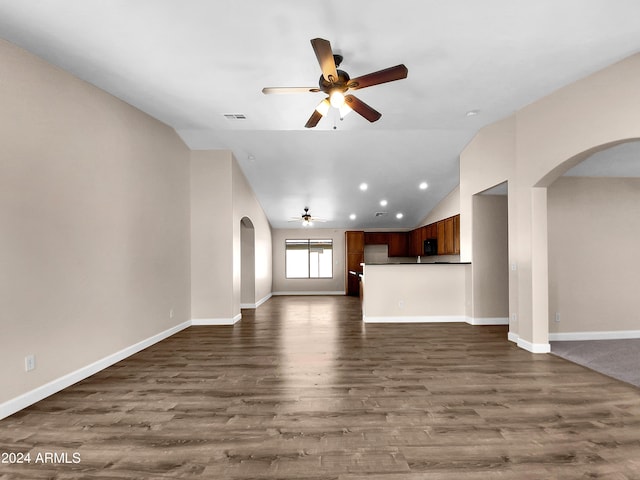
(534, 347)
(257, 304)
(438, 319)
(488, 321)
(609, 335)
(29, 398)
(216, 321)
(513, 337)
(417, 319)
(337, 292)
(262, 300)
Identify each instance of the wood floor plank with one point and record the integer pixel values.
(301, 388)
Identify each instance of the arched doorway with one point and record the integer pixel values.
(593, 226)
(247, 264)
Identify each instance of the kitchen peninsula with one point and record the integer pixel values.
(416, 292)
(438, 239)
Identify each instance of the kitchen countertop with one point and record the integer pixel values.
(422, 263)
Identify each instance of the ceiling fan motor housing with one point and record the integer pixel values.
(341, 82)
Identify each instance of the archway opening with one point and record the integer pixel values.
(593, 215)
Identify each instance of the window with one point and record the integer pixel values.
(309, 258)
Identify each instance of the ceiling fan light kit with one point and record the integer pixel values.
(323, 107)
(307, 219)
(335, 84)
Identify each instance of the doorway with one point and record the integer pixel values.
(491, 256)
(247, 264)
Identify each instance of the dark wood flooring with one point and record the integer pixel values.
(301, 389)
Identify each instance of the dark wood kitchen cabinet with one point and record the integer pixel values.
(397, 242)
(446, 230)
(376, 238)
(430, 231)
(354, 250)
(398, 245)
(456, 235)
(416, 242)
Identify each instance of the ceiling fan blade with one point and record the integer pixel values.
(381, 76)
(269, 90)
(313, 119)
(362, 108)
(324, 54)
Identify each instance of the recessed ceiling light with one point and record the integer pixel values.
(423, 186)
(399, 215)
(383, 203)
(352, 216)
(363, 186)
(472, 113)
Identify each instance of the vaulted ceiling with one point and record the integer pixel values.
(199, 64)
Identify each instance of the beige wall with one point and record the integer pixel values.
(487, 161)
(448, 207)
(491, 257)
(415, 293)
(220, 198)
(211, 235)
(594, 259)
(94, 208)
(530, 150)
(245, 204)
(333, 285)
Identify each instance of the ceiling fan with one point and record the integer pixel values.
(335, 83)
(307, 219)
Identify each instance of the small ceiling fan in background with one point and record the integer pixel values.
(335, 83)
(306, 218)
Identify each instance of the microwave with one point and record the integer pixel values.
(431, 246)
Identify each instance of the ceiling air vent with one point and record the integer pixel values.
(235, 116)
(380, 214)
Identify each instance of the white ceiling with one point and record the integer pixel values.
(187, 63)
(618, 161)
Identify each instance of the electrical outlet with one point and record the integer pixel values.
(29, 363)
(401, 304)
(557, 316)
(171, 313)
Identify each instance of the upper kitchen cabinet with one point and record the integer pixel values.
(397, 242)
(430, 231)
(456, 235)
(448, 234)
(398, 245)
(416, 242)
(376, 238)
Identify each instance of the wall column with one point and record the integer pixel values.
(534, 277)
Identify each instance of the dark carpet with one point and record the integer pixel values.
(616, 358)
